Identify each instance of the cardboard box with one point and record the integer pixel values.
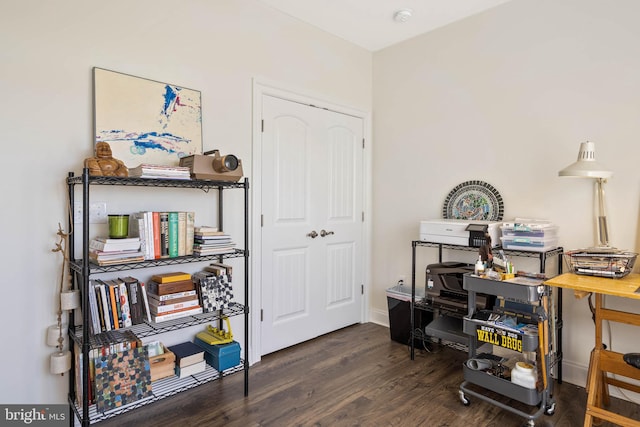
(162, 365)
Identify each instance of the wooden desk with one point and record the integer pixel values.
(605, 361)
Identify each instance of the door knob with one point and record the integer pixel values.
(325, 233)
(313, 234)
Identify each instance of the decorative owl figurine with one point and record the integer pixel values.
(103, 164)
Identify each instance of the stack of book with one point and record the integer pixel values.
(105, 251)
(172, 296)
(146, 170)
(189, 359)
(209, 240)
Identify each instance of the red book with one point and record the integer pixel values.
(156, 235)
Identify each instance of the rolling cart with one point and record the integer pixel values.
(528, 302)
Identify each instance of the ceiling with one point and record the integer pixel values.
(370, 23)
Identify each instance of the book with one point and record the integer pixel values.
(145, 301)
(185, 371)
(168, 308)
(172, 234)
(122, 378)
(191, 219)
(164, 234)
(125, 308)
(170, 287)
(174, 276)
(169, 297)
(176, 314)
(156, 234)
(135, 299)
(151, 171)
(207, 230)
(102, 244)
(187, 353)
(182, 233)
(93, 309)
(115, 303)
(106, 318)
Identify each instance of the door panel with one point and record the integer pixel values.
(311, 183)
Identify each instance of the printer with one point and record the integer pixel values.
(444, 289)
(461, 232)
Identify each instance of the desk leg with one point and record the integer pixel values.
(593, 386)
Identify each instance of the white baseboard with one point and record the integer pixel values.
(379, 317)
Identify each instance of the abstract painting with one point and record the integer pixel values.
(146, 121)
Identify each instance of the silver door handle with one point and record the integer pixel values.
(313, 234)
(325, 233)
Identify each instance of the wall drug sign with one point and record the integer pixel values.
(499, 337)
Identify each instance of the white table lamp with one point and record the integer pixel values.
(587, 167)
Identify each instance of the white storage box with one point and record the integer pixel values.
(550, 232)
(536, 244)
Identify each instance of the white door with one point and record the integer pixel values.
(312, 229)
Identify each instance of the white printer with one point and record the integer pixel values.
(463, 232)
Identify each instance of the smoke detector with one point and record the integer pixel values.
(402, 15)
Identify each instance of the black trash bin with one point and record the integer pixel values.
(399, 303)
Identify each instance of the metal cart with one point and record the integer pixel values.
(534, 295)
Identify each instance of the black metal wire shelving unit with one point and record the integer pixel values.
(81, 270)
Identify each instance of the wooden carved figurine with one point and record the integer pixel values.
(103, 164)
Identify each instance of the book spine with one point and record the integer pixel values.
(164, 234)
(177, 315)
(93, 310)
(148, 223)
(191, 224)
(96, 289)
(169, 308)
(134, 299)
(125, 309)
(182, 233)
(105, 306)
(169, 297)
(113, 298)
(172, 234)
(145, 300)
(156, 235)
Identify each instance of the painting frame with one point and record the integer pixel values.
(145, 121)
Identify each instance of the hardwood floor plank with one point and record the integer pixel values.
(355, 376)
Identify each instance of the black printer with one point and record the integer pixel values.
(444, 289)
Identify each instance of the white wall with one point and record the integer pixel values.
(47, 53)
(506, 97)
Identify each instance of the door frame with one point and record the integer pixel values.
(262, 87)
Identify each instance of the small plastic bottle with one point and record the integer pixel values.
(479, 268)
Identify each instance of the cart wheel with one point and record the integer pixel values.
(550, 409)
(464, 399)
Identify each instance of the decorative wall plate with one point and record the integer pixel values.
(473, 200)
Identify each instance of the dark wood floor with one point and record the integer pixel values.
(353, 377)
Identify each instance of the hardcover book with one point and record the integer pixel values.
(174, 276)
(122, 378)
(185, 371)
(169, 288)
(187, 353)
(177, 314)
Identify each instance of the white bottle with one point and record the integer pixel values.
(524, 374)
(479, 268)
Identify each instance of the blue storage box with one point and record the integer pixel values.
(222, 356)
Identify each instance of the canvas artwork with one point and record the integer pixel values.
(146, 121)
(122, 378)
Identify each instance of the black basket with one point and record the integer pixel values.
(602, 263)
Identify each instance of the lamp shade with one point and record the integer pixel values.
(586, 165)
